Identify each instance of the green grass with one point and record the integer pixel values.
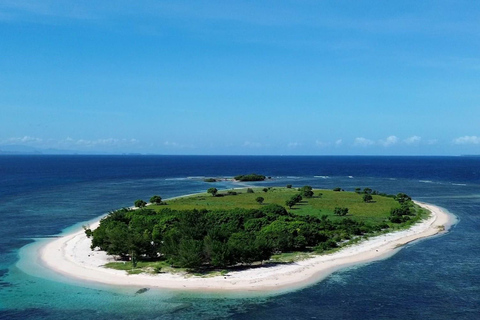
(374, 212)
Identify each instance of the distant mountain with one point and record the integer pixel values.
(19, 149)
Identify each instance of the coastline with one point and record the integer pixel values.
(71, 256)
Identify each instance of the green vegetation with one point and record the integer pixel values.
(250, 177)
(340, 211)
(140, 203)
(212, 191)
(260, 200)
(210, 180)
(201, 232)
(156, 200)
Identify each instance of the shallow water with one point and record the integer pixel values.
(41, 196)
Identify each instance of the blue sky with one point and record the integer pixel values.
(241, 77)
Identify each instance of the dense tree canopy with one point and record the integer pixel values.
(250, 177)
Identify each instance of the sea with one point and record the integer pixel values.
(44, 196)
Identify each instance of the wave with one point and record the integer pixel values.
(426, 181)
(323, 177)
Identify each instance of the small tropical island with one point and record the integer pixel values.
(209, 240)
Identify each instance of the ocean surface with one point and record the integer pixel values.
(43, 196)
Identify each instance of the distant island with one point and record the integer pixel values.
(221, 230)
(250, 177)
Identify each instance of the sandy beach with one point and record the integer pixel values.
(71, 255)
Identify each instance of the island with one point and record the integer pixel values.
(242, 239)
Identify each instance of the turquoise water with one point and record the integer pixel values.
(436, 278)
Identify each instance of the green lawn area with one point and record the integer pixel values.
(376, 211)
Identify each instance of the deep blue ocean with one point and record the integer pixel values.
(43, 196)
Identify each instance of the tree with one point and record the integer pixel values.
(337, 189)
(367, 190)
(265, 189)
(358, 190)
(260, 200)
(402, 198)
(140, 203)
(156, 200)
(340, 211)
(306, 191)
(250, 190)
(212, 191)
(290, 203)
(289, 186)
(367, 197)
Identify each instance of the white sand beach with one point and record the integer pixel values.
(71, 255)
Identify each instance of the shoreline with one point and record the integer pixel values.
(71, 256)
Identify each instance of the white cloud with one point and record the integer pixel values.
(363, 142)
(320, 143)
(338, 142)
(108, 142)
(294, 144)
(467, 140)
(252, 144)
(391, 140)
(412, 140)
(171, 144)
(22, 140)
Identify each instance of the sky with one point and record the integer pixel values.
(241, 77)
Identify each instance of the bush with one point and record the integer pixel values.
(250, 190)
(289, 186)
(340, 211)
(260, 200)
(337, 189)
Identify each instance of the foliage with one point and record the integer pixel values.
(289, 186)
(337, 189)
(402, 198)
(250, 190)
(219, 232)
(260, 200)
(210, 180)
(156, 200)
(367, 191)
(212, 191)
(367, 197)
(140, 203)
(340, 211)
(250, 177)
(306, 191)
